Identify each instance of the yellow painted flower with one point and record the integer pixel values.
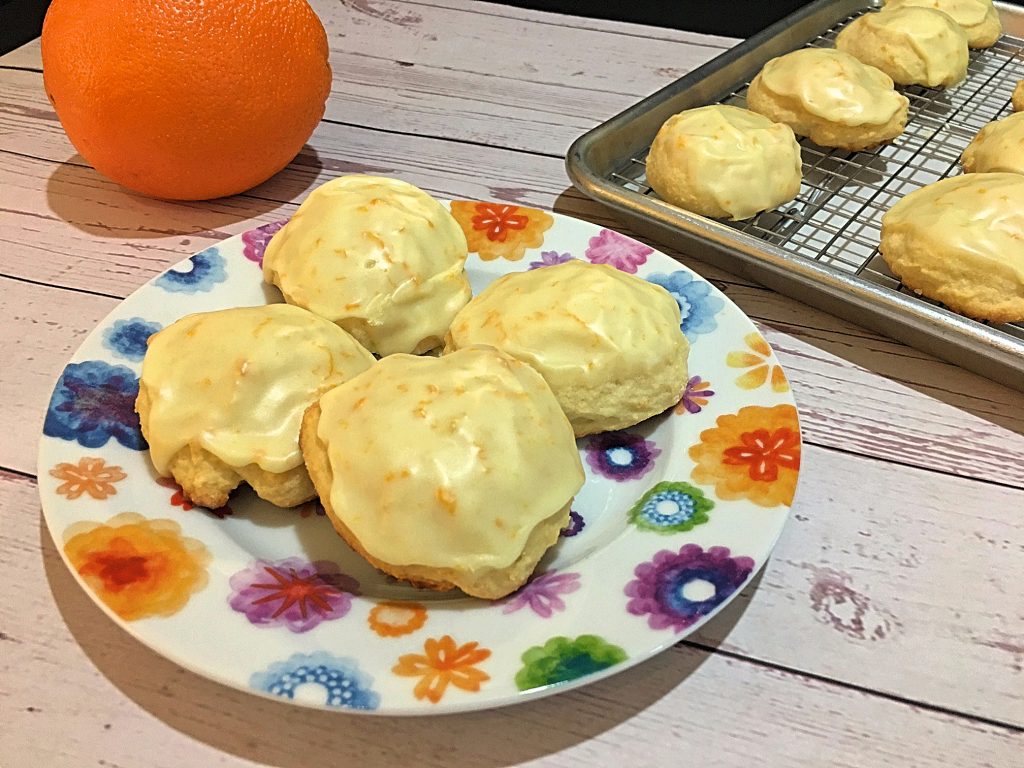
(500, 231)
(394, 618)
(758, 361)
(444, 663)
(753, 454)
(138, 567)
(89, 476)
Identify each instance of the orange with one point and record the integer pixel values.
(186, 99)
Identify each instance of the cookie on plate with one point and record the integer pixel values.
(379, 257)
(609, 344)
(445, 472)
(961, 241)
(222, 395)
(979, 18)
(998, 147)
(913, 45)
(830, 97)
(724, 162)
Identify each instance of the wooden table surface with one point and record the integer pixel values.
(887, 628)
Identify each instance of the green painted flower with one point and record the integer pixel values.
(671, 508)
(561, 659)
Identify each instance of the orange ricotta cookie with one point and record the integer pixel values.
(222, 395)
(445, 472)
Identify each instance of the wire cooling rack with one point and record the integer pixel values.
(836, 218)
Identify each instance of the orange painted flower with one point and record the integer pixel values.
(444, 663)
(500, 231)
(138, 567)
(90, 475)
(759, 363)
(753, 454)
(395, 618)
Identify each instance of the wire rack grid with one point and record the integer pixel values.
(836, 218)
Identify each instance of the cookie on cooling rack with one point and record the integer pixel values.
(1018, 97)
(724, 162)
(379, 257)
(222, 395)
(912, 45)
(979, 18)
(830, 97)
(609, 344)
(998, 147)
(456, 471)
(960, 241)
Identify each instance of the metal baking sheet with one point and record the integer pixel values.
(822, 247)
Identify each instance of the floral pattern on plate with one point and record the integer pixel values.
(136, 566)
(266, 599)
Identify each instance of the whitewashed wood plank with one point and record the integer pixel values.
(68, 669)
(83, 232)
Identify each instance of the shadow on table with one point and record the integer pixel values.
(919, 371)
(283, 735)
(89, 201)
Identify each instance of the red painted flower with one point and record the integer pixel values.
(179, 499)
(497, 230)
(765, 452)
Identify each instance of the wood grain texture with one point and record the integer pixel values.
(119, 704)
(887, 629)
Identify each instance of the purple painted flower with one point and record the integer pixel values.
(621, 252)
(256, 240)
(621, 456)
(695, 396)
(550, 259)
(292, 592)
(576, 524)
(542, 592)
(675, 590)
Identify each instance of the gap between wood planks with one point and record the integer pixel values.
(1012, 728)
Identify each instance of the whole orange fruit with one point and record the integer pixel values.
(186, 99)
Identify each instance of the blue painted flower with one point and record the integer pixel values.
(621, 456)
(671, 508)
(676, 590)
(318, 678)
(697, 305)
(127, 338)
(206, 269)
(551, 259)
(93, 402)
(576, 524)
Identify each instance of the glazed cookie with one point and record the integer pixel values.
(1018, 97)
(724, 162)
(999, 146)
(830, 97)
(445, 472)
(911, 44)
(609, 344)
(379, 257)
(222, 395)
(961, 241)
(979, 18)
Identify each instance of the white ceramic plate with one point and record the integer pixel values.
(676, 516)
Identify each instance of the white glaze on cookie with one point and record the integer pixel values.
(236, 382)
(447, 462)
(377, 256)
